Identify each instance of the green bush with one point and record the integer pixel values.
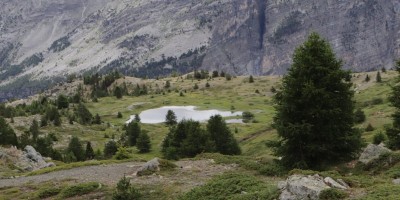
(369, 128)
(233, 186)
(125, 191)
(80, 189)
(48, 192)
(122, 154)
(379, 138)
(332, 194)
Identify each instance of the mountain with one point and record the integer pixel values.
(44, 41)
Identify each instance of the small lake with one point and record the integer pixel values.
(155, 116)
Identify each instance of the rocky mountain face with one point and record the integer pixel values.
(44, 41)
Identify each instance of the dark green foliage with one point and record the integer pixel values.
(110, 148)
(119, 115)
(359, 116)
(187, 139)
(314, 117)
(393, 132)
(207, 85)
(383, 69)
(378, 77)
(196, 86)
(6, 111)
(133, 131)
(215, 74)
(97, 119)
(137, 118)
(83, 114)
(89, 153)
(231, 186)
(48, 192)
(170, 118)
(75, 147)
(7, 134)
(43, 121)
(379, 138)
(167, 84)
(34, 130)
(332, 194)
(62, 102)
(60, 44)
(251, 79)
(125, 191)
(122, 154)
(202, 74)
(118, 92)
(367, 78)
(247, 116)
(220, 134)
(369, 128)
(273, 90)
(57, 119)
(228, 77)
(79, 189)
(143, 143)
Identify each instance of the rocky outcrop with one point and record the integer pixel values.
(302, 187)
(27, 160)
(44, 41)
(372, 152)
(149, 167)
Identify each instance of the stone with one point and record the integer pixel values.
(396, 181)
(149, 167)
(303, 187)
(372, 152)
(332, 183)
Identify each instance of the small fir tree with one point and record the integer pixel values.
(89, 153)
(75, 147)
(170, 118)
(143, 143)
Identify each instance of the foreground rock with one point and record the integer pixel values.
(302, 187)
(373, 152)
(27, 160)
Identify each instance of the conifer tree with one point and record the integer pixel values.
(170, 118)
(34, 130)
(75, 147)
(219, 132)
(251, 79)
(378, 77)
(89, 153)
(118, 92)
(143, 143)
(7, 134)
(314, 110)
(133, 131)
(137, 118)
(393, 132)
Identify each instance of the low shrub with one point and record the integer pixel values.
(332, 194)
(80, 189)
(48, 192)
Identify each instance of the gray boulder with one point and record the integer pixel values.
(31, 160)
(302, 187)
(396, 181)
(372, 152)
(149, 168)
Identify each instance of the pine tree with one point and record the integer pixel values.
(34, 130)
(125, 191)
(170, 118)
(314, 110)
(119, 115)
(393, 132)
(7, 134)
(43, 121)
(133, 131)
(137, 118)
(143, 143)
(110, 149)
(62, 102)
(118, 92)
(57, 119)
(251, 79)
(89, 153)
(75, 147)
(378, 77)
(167, 84)
(367, 79)
(83, 114)
(225, 143)
(97, 119)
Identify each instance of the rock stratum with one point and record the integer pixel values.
(44, 41)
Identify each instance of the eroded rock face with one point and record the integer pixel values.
(237, 36)
(372, 152)
(27, 160)
(302, 187)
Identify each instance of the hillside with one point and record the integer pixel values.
(42, 42)
(238, 94)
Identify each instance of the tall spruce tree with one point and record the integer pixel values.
(170, 118)
(133, 131)
(7, 134)
(143, 143)
(219, 132)
(393, 132)
(75, 147)
(89, 153)
(314, 117)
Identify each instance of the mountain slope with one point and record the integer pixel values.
(43, 41)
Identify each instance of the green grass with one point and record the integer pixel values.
(233, 186)
(79, 189)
